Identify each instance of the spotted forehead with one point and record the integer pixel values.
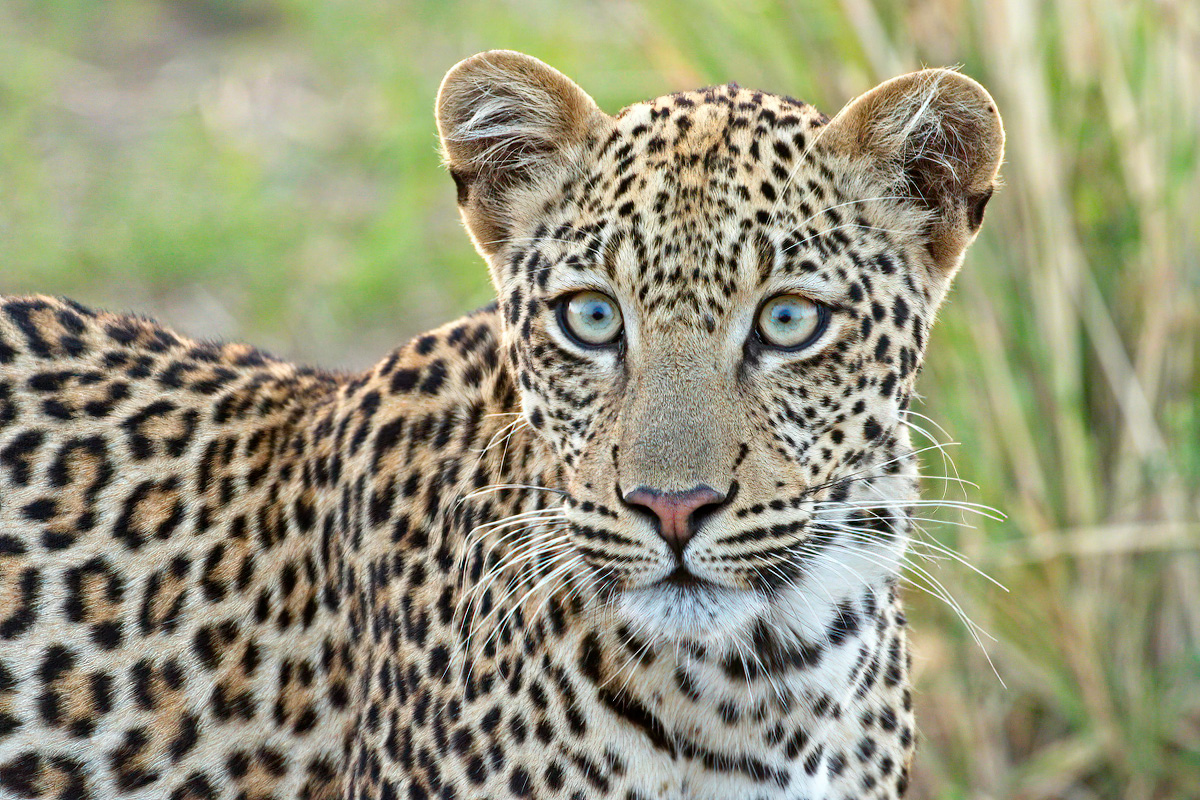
(688, 123)
(694, 196)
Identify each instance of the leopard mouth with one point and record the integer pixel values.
(683, 578)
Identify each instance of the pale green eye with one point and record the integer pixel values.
(591, 318)
(790, 321)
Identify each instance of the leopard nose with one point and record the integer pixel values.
(678, 513)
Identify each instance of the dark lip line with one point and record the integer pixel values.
(684, 579)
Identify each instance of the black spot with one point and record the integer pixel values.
(404, 380)
(846, 623)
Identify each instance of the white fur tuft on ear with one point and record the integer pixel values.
(497, 129)
(504, 118)
(935, 136)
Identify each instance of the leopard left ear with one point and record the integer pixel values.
(934, 136)
(507, 121)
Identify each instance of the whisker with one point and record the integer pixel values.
(962, 505)
(497, 487)
(830, 230)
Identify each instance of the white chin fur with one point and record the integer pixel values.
(708, 614)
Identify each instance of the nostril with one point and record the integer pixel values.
(707, 510)
(678, 513)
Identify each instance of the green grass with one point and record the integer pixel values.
(267, 170)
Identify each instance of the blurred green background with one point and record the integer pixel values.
(266, 170)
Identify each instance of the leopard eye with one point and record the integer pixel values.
(791, 322)
(591, 318)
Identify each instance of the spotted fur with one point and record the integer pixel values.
(224, 576)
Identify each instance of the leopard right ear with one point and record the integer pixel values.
(506, 121)
(935, 138)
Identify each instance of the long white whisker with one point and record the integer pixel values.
(974, 508)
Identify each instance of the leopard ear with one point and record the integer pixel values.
(506, 121)
(934, 136)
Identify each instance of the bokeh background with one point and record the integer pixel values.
(266, 170)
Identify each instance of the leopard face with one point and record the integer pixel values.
(716, 304)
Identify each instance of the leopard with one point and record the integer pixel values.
(634, 530)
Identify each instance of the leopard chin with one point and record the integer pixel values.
(702, 612)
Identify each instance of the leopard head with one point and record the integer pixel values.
(715, 304)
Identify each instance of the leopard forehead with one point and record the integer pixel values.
(693, 200)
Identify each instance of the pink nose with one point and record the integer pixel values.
(677, 512)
